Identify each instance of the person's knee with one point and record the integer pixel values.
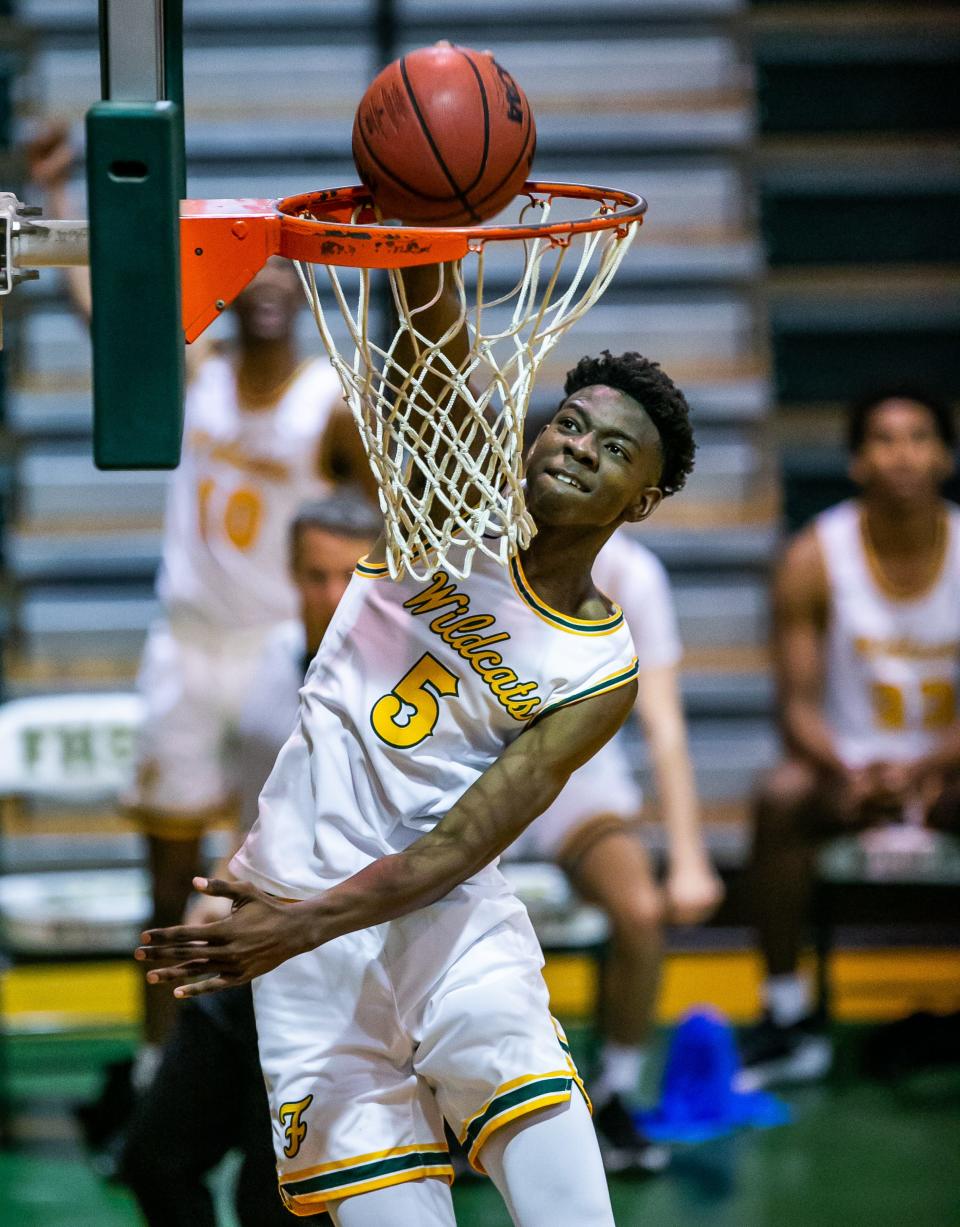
(638, 917)
(783, 800)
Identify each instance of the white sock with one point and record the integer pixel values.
(548, 1170)
(621, 1068)
(145, 1066)
(787, 998)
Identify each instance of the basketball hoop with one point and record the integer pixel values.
(447, 491)
(467, 496)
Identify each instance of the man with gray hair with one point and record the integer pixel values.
(208, 1096)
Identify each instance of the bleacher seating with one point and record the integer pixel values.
(859, 177)
(667, 109)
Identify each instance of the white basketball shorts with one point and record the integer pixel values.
(367, 1043)
(603, 787)
(194, 682)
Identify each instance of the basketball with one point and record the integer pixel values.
(443, 136)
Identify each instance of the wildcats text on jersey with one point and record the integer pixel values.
(460, 629)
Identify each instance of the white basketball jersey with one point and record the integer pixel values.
(419, 685)
(635, 578)
(893, 664)
(242, 477)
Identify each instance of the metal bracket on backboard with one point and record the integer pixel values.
(28, 244)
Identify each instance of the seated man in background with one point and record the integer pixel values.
(208, 1096)
(591, 831)
(866, 642)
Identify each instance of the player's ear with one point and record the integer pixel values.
(644, 505)
(855, 469)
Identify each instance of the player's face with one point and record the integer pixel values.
(322, 568)
(267, 308)
(902, 457)
(596, 463)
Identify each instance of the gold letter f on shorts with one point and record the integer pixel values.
(296, 1130)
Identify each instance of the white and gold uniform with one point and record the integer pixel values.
(607, 786)
(417, 689)
(892, 664)
(224, 579)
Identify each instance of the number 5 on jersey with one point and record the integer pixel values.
(409, 713)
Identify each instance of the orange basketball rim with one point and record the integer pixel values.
(225, 243)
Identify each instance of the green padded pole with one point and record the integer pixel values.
(135, 179)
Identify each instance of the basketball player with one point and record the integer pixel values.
(208, 1095)
(439, 718)
(867, 651)
(591, 831)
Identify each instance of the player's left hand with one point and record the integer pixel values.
(259, 934)
(693, 891)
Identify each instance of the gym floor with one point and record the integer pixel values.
(856, 1153)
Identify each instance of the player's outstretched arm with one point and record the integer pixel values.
(263, 932)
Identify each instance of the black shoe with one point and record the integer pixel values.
(623, 1147)
(771, 1054)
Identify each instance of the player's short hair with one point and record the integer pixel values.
(663, 402)
(938, 407)
(344, 514)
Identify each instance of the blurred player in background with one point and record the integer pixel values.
(591, 831)
(866, 606)
(208, 1095)
(264, 431)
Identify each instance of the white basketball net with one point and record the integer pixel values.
(469, 496)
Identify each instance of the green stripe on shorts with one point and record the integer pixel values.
(511, 1099)
(343, 1177)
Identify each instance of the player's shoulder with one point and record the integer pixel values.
(839, 516)
(804, 547)
(313, 395)
(315, 377)
(801, 574)
(213, 370)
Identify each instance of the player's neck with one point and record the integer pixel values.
(897, 531)
(263, 370)
(558, 563)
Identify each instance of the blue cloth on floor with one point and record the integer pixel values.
(697, 1096)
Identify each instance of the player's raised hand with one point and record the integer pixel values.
(259, 933)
